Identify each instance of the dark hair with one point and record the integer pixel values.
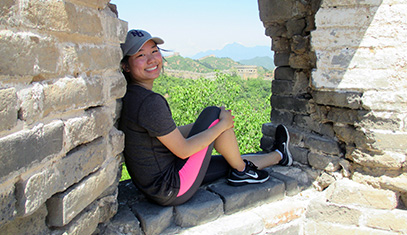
(125, 61)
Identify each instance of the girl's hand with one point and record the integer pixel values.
(226, 118)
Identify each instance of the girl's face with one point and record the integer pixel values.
(146, 64)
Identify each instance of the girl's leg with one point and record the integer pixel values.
(226, 144)
(192, 171)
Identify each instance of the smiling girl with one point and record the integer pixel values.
(169, 163)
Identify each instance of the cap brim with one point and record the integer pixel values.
(136, 48)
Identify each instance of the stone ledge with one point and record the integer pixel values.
(213, 202)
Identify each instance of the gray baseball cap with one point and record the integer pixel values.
(135, 39)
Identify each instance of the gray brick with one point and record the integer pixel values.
(33, 190)
(63, 207)
(8, 108)
(153, 218)
(124, 221)
(24, 148)
(242, 197)
(204, 206)
(289, 103)
(7, 203)
(291, 185)
(280, 10)
(284, 73)
(325, 145)
(345, 99)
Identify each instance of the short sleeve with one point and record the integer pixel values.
(155, 116)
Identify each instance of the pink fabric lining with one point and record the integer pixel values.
(189, 172)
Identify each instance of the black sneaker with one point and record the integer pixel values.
(282, 139)
(250, 175)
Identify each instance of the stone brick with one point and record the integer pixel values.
(324, 162)
(385, 100)
(289, 103)
(204, 206)
(124, 221)
(95, 123)
(108, 206)
(275, 214)
(31, 103)
(275, 30)
(307, 123)
(84, 224)
(63, 207)
(351, 193)
(116, 141)
(302, 61)
(291, 185)
(349, 99)
(280, 44)
(114, 29)
(8, 108)
(345, 17)
(394, 220)
(67, 94)
(25, 148)
(280, 10)
(319, 227)
(301, 83)
(318, 210)
(344, 116)
(386, 159)
(282, 117)
(300, 154)
(295, 27)
(33, 224)
(282, 59)
(248, 195)
(282, 87)
(386, 139)
(284, 73)
(383, 121)
(324, 145)
(7, 203)
(116, 85)
(89, 57)
(153, 218)
(27, 54)
(34, 189)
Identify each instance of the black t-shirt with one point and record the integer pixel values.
(146, 115)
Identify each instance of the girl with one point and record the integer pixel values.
(169, 163)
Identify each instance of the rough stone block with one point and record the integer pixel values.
(153, 218)
(27, 54)
(324, 162)
(63, 207)
(84, 224)
(394, 220)
(204, 206)
(95, 123)
(25, 148)
(282, 87)
(344, 17)
(238, 198)
(302, 61)
(291, 185)
(33, 224)
(299, 154)
(116, 84)
(324, 145)
(320, 227)
(8, 108)
(280, 44)
(387, 159)
(89, 57)
(289, 103)
(385, 100)
(318, 210)
(31, 103)
(114, 29)
(282, 117)
(295, 27)
(388, 140)
(34, 189)
(125, 222)
(349, 99)
(284, 73)
(7, 203)
(282, 59)
(73, 93)
(116, 141)
(351, 193)
(280, 10)
(108, 207)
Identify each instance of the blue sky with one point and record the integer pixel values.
(191, 26)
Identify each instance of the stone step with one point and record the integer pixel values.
(215, 202)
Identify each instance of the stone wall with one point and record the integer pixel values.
(340, 87)
(60, 85)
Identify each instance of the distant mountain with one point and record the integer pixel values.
(237, 52)
(264, 61)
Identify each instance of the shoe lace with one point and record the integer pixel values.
(251, 165)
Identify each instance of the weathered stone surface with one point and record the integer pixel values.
(319, 227)
(153, 218)
(318, 210)
(32, 103)
(280, 10)
(351, 193)
(84, 224)
(282, 87)
(63, 207)
(25, 148)
(33, 190)
(238, 198)
(33, 224)
(204, 206)
(7, 203)
(349, 99)
(394, 220)
(386, 159)
(8, 108)
(324, 145)
(295, 27)
(291, 185)
(289, 103)
(299, 154)
(116, 141)
(282, 59)
(284, 73)
(282, 117)
(94, 123)
(280, 44)
(324, 162)
(124, 222)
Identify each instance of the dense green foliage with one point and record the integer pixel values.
(186, 64)
(248, 100)
(216, 63)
